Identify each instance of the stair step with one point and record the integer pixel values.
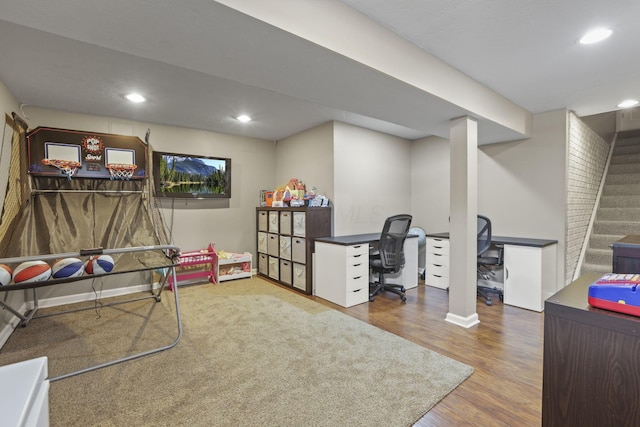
(626, 149)
(616, 227)
(617, 159)
(619, 202)
(623, 178)
(596, 268)
(624, 168)
(621, 190)
(618, 214)
(599, 256)
(632, 140)
(603, 241)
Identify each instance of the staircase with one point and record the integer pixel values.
(619, 211)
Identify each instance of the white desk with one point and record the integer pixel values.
(341, 267)
(529, 268)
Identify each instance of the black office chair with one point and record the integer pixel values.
(389, 257)
(485, 262)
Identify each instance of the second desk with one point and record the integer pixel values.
(529, 267)
(341, 267)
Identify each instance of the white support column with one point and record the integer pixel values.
(463, 223)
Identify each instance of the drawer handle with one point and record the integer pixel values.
(438, 247)
(437, 265)
(357, 290)
(437, 254)
(357, 256)
(437, 275)
(356, 278)
(357, 265)
(358, 246)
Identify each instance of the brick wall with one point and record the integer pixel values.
(587, 157)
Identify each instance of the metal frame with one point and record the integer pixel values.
(30, 314)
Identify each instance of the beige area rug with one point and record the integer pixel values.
(252, 354)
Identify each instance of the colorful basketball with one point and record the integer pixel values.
(5, 274)
(67, 267)
(31, 271)
(99, 264)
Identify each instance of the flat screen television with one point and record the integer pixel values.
(189, 176)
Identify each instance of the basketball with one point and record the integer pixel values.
(67, 267)
(31, 271)
(5, 274)
(99, 264)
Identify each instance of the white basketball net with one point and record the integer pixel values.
(67, 167)
(121, 171)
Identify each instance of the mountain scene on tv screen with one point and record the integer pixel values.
(192, 175)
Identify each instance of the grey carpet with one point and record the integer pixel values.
(252, 354)
(619, 208)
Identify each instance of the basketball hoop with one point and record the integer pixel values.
(121, 171)
(67, 167)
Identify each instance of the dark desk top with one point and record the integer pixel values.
(354, 239)
(571, 303)
(516, 241)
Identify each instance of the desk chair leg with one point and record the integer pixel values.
(380, 286)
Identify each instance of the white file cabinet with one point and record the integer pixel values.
(437, 263)
(343, 272)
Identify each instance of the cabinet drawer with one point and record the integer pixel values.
(298, 250)
(285, 223)
(300, 276)
(358, 269)
(273, 244)
(262, 242)
(285, 247)
(438, 270)
(357, 250)
(285, 271)
(439, 259)
(273, 222)
(274, 268)
(357, 296)
(263, 221)
(263, 264)
(438, 246)
(299, 224)
(357, 282)
(441, 282)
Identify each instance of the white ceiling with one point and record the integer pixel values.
(200, 62)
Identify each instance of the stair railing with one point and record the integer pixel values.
(596, 205)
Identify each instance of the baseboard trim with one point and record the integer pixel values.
(90, 296)
(465, 322)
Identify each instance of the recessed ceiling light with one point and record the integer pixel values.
(595, 36)
(135, 97)
(628, 103)
(243, 118)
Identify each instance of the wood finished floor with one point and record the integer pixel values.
(505, 350)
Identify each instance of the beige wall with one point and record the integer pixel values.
(372, 178)
(194, 223)
(307, 156)
(430, 184)
(521, 184)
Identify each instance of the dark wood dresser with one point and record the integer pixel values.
(591, 368)
(626, 254)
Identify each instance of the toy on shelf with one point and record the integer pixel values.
(196, 265)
